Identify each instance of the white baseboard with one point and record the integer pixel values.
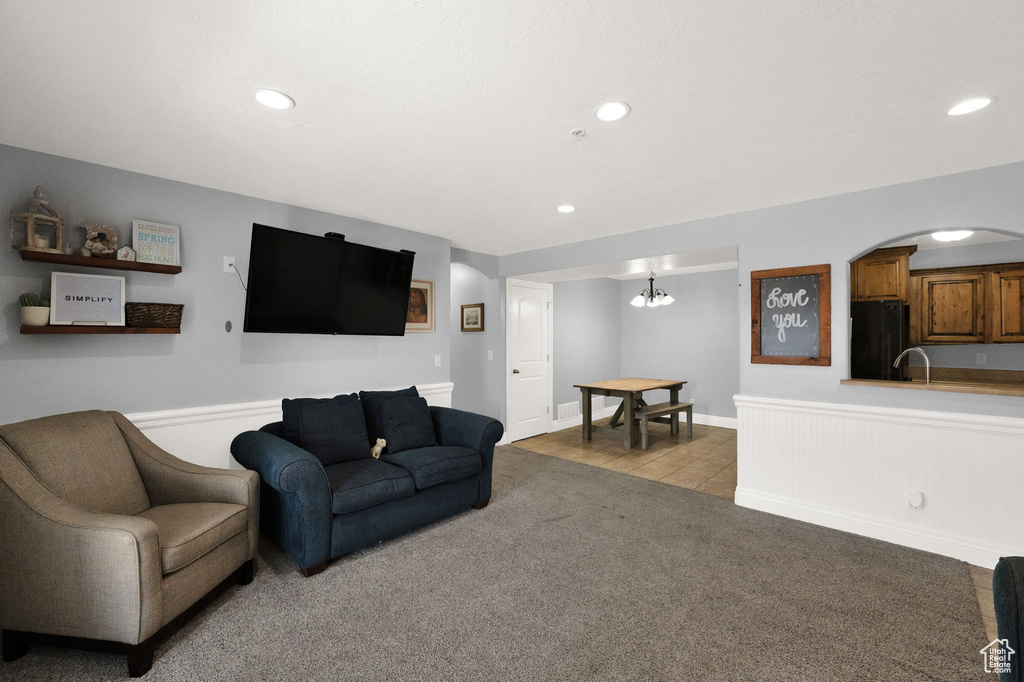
(712, 420)
(957, 546)
(203, 435)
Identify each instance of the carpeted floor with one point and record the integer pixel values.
(578, 573)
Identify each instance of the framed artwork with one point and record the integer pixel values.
(791, 316)
(420, 316)
(473, 317)
(156, 243)
(96, 300)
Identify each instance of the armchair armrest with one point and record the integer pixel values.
(296, 502)
(170, 480)
(1008, 593)
(69, 571)
(467, 429)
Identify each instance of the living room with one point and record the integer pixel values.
(762, 152)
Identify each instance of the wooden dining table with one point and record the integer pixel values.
(631, 391)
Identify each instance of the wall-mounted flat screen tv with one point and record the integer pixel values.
(304, 284)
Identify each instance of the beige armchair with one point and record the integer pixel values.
(105, 539)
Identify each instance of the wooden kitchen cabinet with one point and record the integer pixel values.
(952, 307)
(1005, 309)
(881, 275)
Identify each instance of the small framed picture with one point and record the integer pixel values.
(156, 243)
(473, 317)
(126, 253)
(96, 300)
(420, 317)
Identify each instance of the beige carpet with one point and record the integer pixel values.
(578, 573)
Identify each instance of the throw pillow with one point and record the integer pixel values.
(407, 424)
(372, 402)
(331, 429)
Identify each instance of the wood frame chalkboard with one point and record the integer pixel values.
(823, 358)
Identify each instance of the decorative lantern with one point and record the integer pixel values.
(43, 226)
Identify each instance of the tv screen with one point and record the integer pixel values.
(304, 284)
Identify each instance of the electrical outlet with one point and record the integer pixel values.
(981, 358)
(229, 263)
(437, 361)
(490, 355)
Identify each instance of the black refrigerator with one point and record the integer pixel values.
(880, 331)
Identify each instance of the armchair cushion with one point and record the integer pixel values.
(372, 402)
(82, 458)
(331, 429)
(365, 483)
(438, 464)
(191, 530)
(407, 424)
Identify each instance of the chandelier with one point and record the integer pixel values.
(651, 297)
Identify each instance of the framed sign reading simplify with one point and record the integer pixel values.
(791, 316)
(86, 299)
(156, 243)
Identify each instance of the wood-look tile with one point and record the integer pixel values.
(719, 488)
(982, 577)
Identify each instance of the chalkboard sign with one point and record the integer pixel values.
(791, 316)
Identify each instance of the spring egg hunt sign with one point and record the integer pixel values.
(156, 243)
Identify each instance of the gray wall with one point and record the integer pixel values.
(978, 254)
(832, 230)
(586, 323)
(695, 339)
(204, 365)
(477, 378)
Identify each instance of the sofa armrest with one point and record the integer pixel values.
(170, 480)
(69, 571)
(295, 508)
(467, 429)
(1008, 593)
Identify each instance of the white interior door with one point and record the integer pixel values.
(528, 357)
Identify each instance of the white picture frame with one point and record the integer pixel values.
(156, 243)
(91, 300)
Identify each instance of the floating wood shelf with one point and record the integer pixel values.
(93, 262)
(89, 329)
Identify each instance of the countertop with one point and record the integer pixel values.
(948, 386)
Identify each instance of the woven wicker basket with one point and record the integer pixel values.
(153, 314)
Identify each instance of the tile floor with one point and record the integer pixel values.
(706, 463)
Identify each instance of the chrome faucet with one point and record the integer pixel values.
(927, 365)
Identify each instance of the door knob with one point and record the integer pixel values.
(515, 371)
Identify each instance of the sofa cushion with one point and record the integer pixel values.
(372, 402)
(82, 458)
(191, 530)
(331, 429)
(407, 424)
(438, 464)
(365, 483)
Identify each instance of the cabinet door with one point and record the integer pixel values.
(953, 307)
(914, 302)
(1006, 306)
(882, 275)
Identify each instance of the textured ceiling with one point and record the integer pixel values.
(453, 117)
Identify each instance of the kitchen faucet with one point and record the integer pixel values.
(927, 365)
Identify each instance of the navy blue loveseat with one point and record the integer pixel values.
(323, 494)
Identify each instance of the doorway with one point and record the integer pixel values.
(528, 341)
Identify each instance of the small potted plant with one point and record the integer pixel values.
(35, 312)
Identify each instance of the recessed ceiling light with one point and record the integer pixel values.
(951, 235)
(566, 208)
(969, 106)
(274, 99)
(612, 111)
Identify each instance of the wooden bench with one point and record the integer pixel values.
(659, 413)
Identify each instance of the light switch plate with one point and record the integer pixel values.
(490, 355)
(437, 361)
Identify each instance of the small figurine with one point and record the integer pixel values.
(126, 253)
(100, 240)
(378, 448)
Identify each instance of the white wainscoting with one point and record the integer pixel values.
(852, 467)
(203, 435)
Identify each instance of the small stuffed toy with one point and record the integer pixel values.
(378, 448)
